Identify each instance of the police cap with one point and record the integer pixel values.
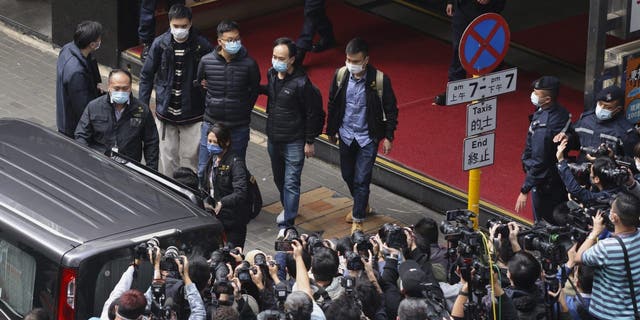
(550, 83)
(611, 93)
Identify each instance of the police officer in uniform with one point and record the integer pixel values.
(538, 158)
(605, 124)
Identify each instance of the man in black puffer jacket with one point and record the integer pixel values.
(231, 78)
(295, 119)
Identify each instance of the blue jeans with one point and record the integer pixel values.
(356, 165)
(287, 160)
(239, 143)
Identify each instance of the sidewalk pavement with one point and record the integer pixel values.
(28, 77)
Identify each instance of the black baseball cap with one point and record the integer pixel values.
(550, 83)
(412, 278)
(611, 93)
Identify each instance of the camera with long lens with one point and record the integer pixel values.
(361, 240)
(348, 283)
(314, 241)
(281, 292)
(393, 236)
(501, 228)
(580, 220)
(171, 254)
(243, 272)
(354, 262)
(619, 175)
(158, 291)
(600, 151)
(218, 266)
(143, 250)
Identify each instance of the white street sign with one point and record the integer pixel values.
(478, 151)
(481, 117)
(486, 86)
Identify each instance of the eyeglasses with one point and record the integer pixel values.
(231, 40)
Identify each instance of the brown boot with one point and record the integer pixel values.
(356, 226)
(349, 217)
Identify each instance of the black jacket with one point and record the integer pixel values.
(391, 292)
(134, 132)
(295, 111)
(378, 128)
(159, 68)
(230, 188)
(539, 156)
(232, 88)
(77, 81)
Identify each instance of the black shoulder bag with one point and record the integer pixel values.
(627, 265)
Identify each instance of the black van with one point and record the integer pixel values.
(69, 218)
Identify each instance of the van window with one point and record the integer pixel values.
(17, 278)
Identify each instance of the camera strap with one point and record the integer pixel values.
(631, 287)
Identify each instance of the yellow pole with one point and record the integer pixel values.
(473, 198)
(474, 195)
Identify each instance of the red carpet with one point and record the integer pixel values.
(429, 138)
(569, 42)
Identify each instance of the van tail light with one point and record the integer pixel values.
(67, 295)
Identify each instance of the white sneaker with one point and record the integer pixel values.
(280, 234)
(280, 218)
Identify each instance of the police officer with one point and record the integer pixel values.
(462, 12)
(605, 124)
(538, 158)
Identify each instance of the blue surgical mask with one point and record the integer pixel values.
(232, 47)
(602, 113)
(279, 66)
(214, 149)
(119, 97)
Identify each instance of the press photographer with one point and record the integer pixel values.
(614, 293)
(400, 245)
(606, 176)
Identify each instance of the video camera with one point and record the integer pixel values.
(579, 219)
(281, 293)
(458, 231)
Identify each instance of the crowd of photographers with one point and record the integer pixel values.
(392, 274)
(580, 261)
(571, 271)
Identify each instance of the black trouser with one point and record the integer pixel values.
(315, 20)
(147, 26)
(545, 198)
(236, 234)
(459, 23)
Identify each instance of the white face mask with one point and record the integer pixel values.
(535, 99)
(637, 164)
(354, 68)
(179, 33)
